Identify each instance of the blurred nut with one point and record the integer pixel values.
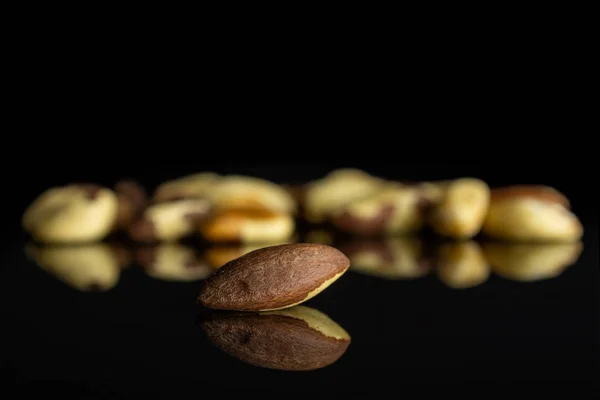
(173, 262)
(217, 256)
(169, 221)
(190, 186)
(319, 236)
(462, 208)
(393, 258)
(71, 214)
(238, 225)
(340, 187)
(394, 209)
(245, 192)
(88, 268)
(531, 262)
(295, 339)
(462, 265)
(132, 199)
(531, 213)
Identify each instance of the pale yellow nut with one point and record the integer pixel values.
(248, 226)
(93, 267)
(245, 192)
(175, 262)
(170, 221)
(462, 265)
(394, 258)
(461, 211)
(530, 219)
(71, 214)
(340, 187)
(190, 186)
(531, 262)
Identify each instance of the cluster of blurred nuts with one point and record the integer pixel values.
(358, 203)
(245, 209)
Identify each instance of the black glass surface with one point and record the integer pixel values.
(135, 329)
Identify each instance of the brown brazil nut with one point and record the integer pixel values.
(132, 200)
(395, 209)
(462, 208)
(217, 256)
(531, 213)
(532, 261)
(236, 225)
(87, 267)
(71, 214)
(391, 258)
(273, 277)
(295, 339)
(462, 265)
(190, 186)
(173, 262)
(338, 188)
(247, 192)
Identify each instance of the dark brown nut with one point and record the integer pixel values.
(531, 262)
(340, 187)
(246, 192)
(392, 210)
(531, 214)
(87, 268)
(248, 226)
(169, 221)
(132, 200)
(217, 256)
(173, 262)
(75, 213)
(190, 186)
(393, 258)
(461, 210)
(462, 265)
(273, 278)
(295, 339)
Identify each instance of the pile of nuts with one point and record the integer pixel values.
(246, 209)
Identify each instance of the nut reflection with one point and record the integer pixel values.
(462, 265)
(173, 262)
(88, 268)
(531, 262)
(218, 256)
(391, 258)
(295, 339)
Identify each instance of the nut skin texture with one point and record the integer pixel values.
(169, 221)
(173, 262)
(132, 199)
(531, 214)
(246, 192)
(236, 225)
(397, 258)
(77, 213)
(87, 267)
(217, 256)
(273, 278)
(287, 342)
(531, 262)
(462, 209)
(190, 186)
(338, 188)
(395, 209)
(462, 265)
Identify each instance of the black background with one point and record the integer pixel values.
(141, 336)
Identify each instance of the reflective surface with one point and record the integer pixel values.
(112, 318)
